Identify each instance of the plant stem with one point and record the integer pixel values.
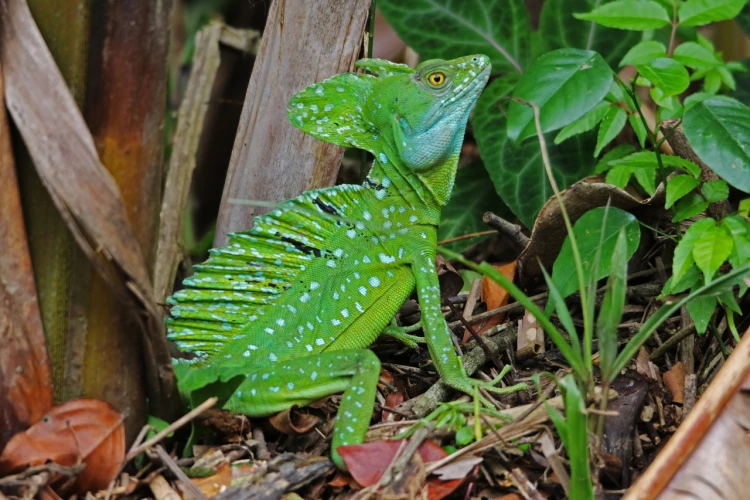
(603, 403)
(670, 51)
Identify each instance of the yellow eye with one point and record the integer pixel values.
(437, 78)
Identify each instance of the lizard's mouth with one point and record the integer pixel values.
(475, 85)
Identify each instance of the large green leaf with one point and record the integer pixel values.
(559, 29)
(666, 74)
(517, 172)
(446, 29)
(718, 129)
(588, 232)
(565, 84)
(698, 12)
(678, 186)
(696, 56)
(472, 196)
(640, 15)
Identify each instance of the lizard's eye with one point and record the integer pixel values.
(437, 78)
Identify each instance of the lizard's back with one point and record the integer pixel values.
(311, 276)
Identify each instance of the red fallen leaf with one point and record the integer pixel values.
(368, 462)
(391, 401)
(494, 296)
(82, 430)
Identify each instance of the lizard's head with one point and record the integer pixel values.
(417, 114)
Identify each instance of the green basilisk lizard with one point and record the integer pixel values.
(294, 303)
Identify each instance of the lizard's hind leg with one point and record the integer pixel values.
(276, 387)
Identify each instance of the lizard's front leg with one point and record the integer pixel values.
(438, 337)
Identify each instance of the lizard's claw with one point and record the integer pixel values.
(467, 385)
(399, 333)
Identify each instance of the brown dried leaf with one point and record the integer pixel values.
(215, 484)
(450, 281)
(293, 423)
(674, 380)
(25, 384)
(82, 430)
(549, 230)
(494, 296)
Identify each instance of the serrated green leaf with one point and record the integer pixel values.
(584, 123)
(683, 253)
(588, 233)
(517, 171)
(666, 74)
(712, 81)
(718, 130)
(700, 310)
(695, 56)
(565, 84)
(711, 249)
(689, 206)
(636, 15)
(699, 12)
(619, 176)
(714, 191)
(667, 102)
(738, 228)
(679, 186)
(472, 196)
(612, 124)
(647, 159)
(647, 179)
(644, 53)
(443, 28)
(612, 307)
(639, 128)
(613, 154)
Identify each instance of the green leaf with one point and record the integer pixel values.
(639, 128)
(558, 29)
(644, 53)
(637, 15)
(612, 307)
(646, 178)
(683, 253)
(690, 278)
(666, 74)
(584, 123)
(678, 186)
(578, 440)
(473, 195)
(588, 233)
(711, 249)
(442, 29)
(565, 84)
(699, 12)
(517, 171)
(712, 82)
(696, 98)
(464, 436)
(612, 124)
(718, 130)
(695, 56)
(689, 206)
(619, 176)
(613, 154)
(738, 229)
(739, 275)
(647, 159)
(715, 191)
(700, 310)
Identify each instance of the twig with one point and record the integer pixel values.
(134, 452)
(672, 341)
(476, 337)
(466, 237)
(399, 464)
(513, 232)
(179, 473)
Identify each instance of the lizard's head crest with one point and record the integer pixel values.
(417, 114)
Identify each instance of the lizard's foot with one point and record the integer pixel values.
(467, 385)
(399, 333)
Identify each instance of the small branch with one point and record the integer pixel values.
(134, 452)
(179, 473)
(480, 341)
(465, 237)
(513, 232)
